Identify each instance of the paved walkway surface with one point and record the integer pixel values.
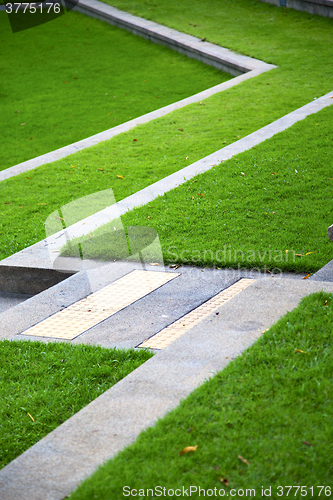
(54, 467)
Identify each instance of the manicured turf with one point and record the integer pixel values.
(76, 76)
(298, 43)
(265, 420)
(42, 385)
(263, 208)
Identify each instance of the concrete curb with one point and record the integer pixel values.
(220, 57)
(55, 466)
(213, 55)
(38, 255)
(322, 8)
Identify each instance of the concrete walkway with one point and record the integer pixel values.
(55, 466)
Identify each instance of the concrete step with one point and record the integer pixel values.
(56, 465)
(129, 325)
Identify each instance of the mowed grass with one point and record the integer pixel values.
(42, 385)
(76, 76)
(267, 208)
(264, 421)
(298, 43)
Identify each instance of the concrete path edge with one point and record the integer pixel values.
(38, 255)
(220, 57)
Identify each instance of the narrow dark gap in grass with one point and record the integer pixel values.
(265, 420)
(42, 385)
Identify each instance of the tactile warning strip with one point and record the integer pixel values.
(172, 332)
(79, 317)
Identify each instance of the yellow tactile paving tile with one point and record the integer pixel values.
(90, 311)
(175, 330)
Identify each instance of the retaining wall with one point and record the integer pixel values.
(321, 7)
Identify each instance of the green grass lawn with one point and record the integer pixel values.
(42, 385)
(265, 420)
(298, 43)
(250, 409)
(76, 76)
(263, 208)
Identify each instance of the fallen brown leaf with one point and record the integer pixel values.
(243, 460)
(307, 443)
(120, 176)
(307, 276)
(188, 449)
(224, 480)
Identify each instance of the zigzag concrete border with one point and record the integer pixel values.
(213, 55)
(236, 64)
